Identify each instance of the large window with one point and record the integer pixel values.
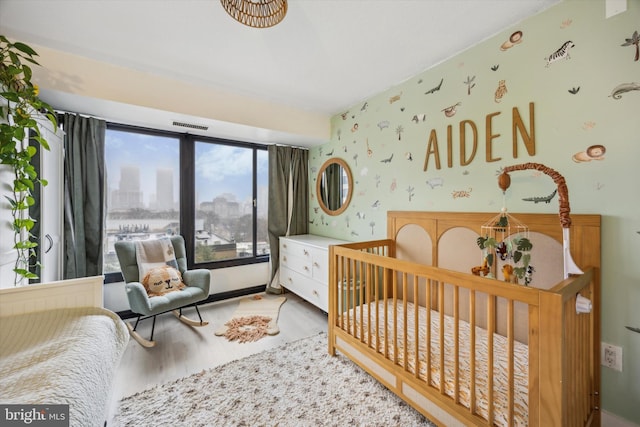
(230, 210)
(213, 192)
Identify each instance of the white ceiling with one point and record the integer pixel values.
(325, 56)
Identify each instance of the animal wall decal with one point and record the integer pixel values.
(434, 89)
(574, 90)
(566, 23)
(388, 159)
(634, 40)
(451, 110)
(395, 98)
(383, 124)
(617, 92)
(514, 39)
(435, 182)
(561, 53)
(495, 67)
(500, 91)
(594, 152)
(456, 194)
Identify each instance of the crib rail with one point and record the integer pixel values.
(560, 378)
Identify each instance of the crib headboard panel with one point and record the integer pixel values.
(585, 230)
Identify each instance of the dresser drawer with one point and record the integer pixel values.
(315, 292)
(296, 263)
(320, 264)
(295, 249)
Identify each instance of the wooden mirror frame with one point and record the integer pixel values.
(345, 167)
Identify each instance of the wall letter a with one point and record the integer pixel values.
(432, 148)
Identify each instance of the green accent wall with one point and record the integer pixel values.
(578, 128)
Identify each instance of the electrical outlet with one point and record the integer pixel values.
(611, 356)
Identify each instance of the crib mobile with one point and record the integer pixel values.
(507, 238)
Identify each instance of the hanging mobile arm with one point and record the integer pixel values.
(504, 181)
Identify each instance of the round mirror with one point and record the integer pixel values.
(334, 186)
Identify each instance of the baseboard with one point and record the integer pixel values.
(128, 314)
(610, 420)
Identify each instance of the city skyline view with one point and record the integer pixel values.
(220, 169)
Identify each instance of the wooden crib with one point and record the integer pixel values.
(394, 303)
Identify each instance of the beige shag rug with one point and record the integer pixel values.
(296, 384)
(255, 317)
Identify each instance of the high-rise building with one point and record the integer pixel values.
(164, 189)
(128, 196)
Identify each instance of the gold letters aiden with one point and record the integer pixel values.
(465, 126)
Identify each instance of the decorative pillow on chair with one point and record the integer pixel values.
(162, 280)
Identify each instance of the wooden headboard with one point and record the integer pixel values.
(585, 230)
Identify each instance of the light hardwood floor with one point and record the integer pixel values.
(182, 350)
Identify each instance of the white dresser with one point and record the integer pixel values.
(304, 267)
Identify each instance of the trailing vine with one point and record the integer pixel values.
(20, 107)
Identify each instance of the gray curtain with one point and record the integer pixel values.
(84, 195)
(288, 201)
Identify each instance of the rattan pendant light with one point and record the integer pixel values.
(256, 13)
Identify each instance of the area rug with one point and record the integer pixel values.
(296, 384)
(255, 317)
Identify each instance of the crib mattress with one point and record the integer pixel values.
(500, 360)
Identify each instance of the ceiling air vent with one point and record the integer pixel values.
(190, 125)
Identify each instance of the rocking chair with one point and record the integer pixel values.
(197, 289)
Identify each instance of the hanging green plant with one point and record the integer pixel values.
(20, 107)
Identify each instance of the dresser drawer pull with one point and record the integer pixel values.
(315, 264)
(284, 259)
(284, 245)
(316, 293)
(306, 268)
(290, 279)
(306, 252)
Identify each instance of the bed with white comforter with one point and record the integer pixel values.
(61, 356)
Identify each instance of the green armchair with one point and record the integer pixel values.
(196, 291)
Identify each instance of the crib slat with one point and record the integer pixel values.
(394, 287)
(428, 341)
(472, 351)
(491, 327)
(534, 363)
(364, 295)
(510, 367)
(405, 348)
(456, 345)
(441, 337)
(416, 318)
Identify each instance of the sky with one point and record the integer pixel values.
(219, 168)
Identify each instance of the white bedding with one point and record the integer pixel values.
(500, 388)
(63, 356)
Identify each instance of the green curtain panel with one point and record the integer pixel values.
(84, 195)
(288, 201)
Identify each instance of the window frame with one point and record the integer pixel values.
(187, 198)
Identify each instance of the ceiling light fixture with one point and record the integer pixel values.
(256, 13)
